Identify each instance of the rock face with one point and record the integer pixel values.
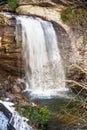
(10, 51)
(22, 2)
(61, 2)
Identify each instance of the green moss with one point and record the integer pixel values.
(75, 16)
(12, 4)
(38, 116)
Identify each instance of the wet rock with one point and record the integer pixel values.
(22, 86)
(2, 93)
(51, 14)
(16, 89)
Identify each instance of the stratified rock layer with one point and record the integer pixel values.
(10, 50)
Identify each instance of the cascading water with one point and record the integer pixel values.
(17, 122)
(3, 121)
(43, 65)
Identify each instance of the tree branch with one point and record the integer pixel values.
(80, 85)
(80, 68)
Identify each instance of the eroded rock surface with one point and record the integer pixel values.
(10, 51)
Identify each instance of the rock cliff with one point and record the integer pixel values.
(10, 51)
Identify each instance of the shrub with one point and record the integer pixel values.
(74, 16)
(38, 116)
(12, 4)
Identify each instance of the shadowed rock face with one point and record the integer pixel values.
(60, 2)
(10, 51)
(70, 2)
(22, 2)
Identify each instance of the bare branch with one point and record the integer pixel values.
(80, 68)
(80, 85)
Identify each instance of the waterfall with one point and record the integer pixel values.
(43, 65)
(44, 72)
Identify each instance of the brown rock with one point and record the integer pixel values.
(16, 89)
(10, 50)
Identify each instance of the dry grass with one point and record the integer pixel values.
(74, 114)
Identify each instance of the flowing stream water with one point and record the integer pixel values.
(3, 121)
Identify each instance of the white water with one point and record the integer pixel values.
(18, 122)
(3, 121)
(43, 64)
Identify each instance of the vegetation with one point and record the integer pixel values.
(76, 110)
(73, 15)
(74, 113)
(2, 19)
(38, 115)
(12, 4)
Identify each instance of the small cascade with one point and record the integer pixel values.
(3, 121)
(13, 121)
(43, 65)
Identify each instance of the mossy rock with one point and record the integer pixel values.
(74, 16)
(3, 19)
